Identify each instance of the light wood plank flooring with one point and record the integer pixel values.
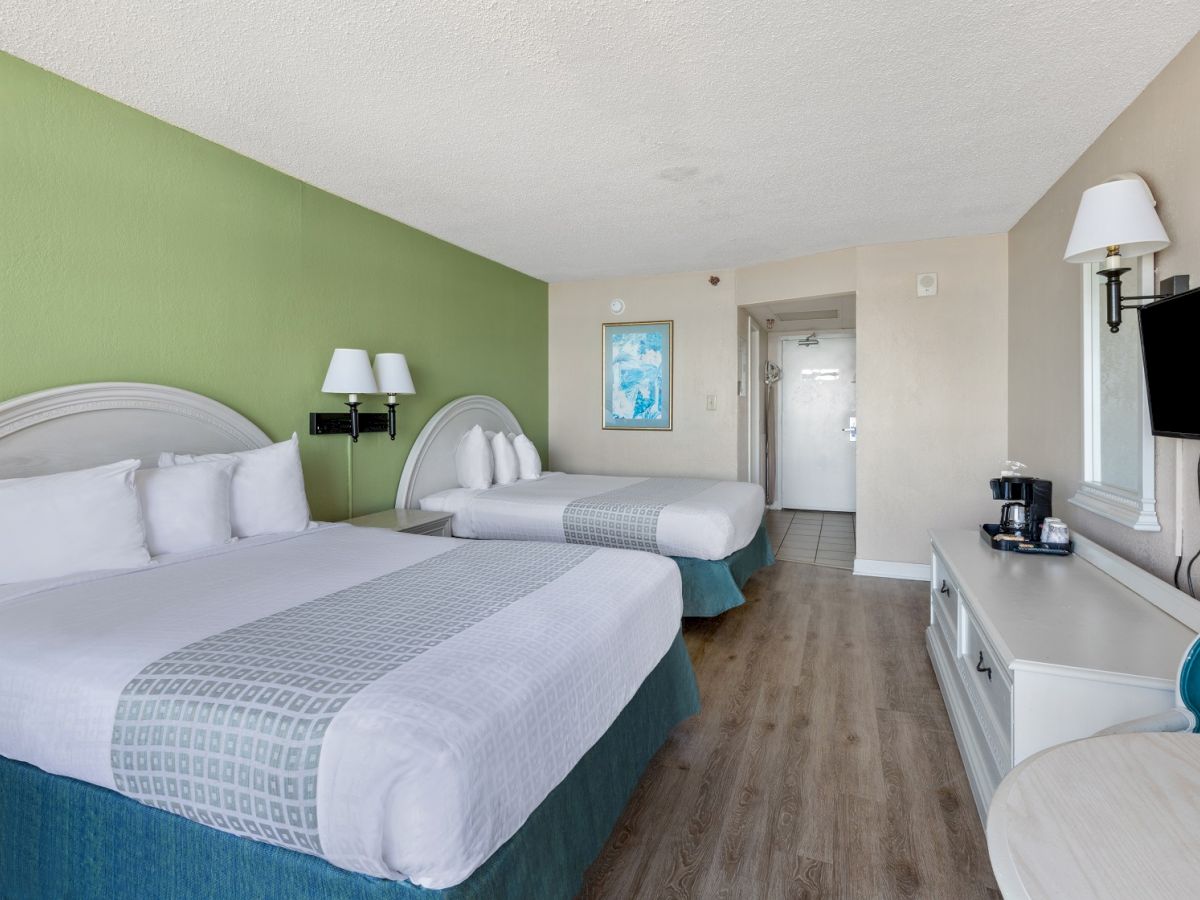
(822, 764)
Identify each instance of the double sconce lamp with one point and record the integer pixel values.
(350, 372)
(1116, 219)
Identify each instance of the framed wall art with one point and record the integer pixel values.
(637, 375)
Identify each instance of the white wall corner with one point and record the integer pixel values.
(883, 568)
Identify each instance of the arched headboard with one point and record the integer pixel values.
(84, 425)
(430, 464)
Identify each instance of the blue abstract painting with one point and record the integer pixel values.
(637, 376)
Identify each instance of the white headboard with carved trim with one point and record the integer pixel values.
(84, 425)
(430, 464)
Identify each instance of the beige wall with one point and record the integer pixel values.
(1158, 136)
(932, 391)
(805, 276)
(702, 443)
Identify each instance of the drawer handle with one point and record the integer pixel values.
(980, 667)
(943, 589)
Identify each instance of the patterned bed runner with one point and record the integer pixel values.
(227, 731)
(627, 518)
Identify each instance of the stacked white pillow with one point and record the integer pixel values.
(117, 516)
(473, 460)
(504, 459)
(55, 525)
(186, 508)
(483, 458)
(528, 460)
(267, 490)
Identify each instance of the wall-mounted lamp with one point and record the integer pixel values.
(392, 377)
(1115, 218)
(349, 373)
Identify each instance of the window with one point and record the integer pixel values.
(1118, 448)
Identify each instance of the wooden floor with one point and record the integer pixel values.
(822, 764)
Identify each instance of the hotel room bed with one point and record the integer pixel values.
(712, 529)
(338, 712)
(398, 705)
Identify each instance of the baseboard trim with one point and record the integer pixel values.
(882, 568)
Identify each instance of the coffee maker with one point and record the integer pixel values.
(1026, 506)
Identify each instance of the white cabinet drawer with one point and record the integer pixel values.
(945, 601)
(944, 592)
(989, 686)
(946, 624)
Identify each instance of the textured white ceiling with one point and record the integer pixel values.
(582, 138)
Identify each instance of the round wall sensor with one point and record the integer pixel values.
(617, 307)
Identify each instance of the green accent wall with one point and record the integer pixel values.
(131, 250)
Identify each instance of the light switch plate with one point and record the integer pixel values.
(927, 284)
(710, 402)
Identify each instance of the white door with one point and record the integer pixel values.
(817, 425)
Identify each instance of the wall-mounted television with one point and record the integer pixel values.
(1170, 344)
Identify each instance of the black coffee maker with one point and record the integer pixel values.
(1026, 506)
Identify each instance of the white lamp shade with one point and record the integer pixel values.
(392, 375)
(1116, 213)
(350, 373)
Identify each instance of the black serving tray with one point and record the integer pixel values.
(1033, 548)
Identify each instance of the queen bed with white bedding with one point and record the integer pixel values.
(713, 529)
(425, 711)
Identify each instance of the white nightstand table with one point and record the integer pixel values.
(1105, 817)
(411, 521)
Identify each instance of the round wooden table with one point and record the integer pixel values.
(1115, 816)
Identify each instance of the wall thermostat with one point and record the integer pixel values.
(927, 284)
(617, 307)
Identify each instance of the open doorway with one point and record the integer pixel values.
(807, 422)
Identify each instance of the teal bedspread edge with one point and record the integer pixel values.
(66, 839)
(711, 586)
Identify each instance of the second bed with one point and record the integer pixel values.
(712, 529)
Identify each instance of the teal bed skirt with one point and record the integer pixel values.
(61, 838)
(711, 586)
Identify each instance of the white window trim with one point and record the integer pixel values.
(1133, 509)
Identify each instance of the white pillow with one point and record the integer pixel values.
(473, 460)
(186, 507)
(450, 500)
(505, 459)
(53, 525)
(267, 493)
(528, 459)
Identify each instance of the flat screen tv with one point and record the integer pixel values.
(1170, 331)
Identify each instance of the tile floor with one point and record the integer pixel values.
(808, 536)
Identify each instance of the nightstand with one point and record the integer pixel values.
(411, 521)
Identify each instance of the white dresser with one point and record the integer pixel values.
(1032, 651)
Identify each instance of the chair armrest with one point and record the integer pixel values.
(1170, 720)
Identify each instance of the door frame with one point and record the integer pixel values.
(775, 353)
(754, 398)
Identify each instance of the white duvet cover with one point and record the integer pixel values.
(425, 772)
(711, 524)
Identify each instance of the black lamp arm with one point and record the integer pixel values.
(1116, 302)
(353, 420)
(391, 420)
